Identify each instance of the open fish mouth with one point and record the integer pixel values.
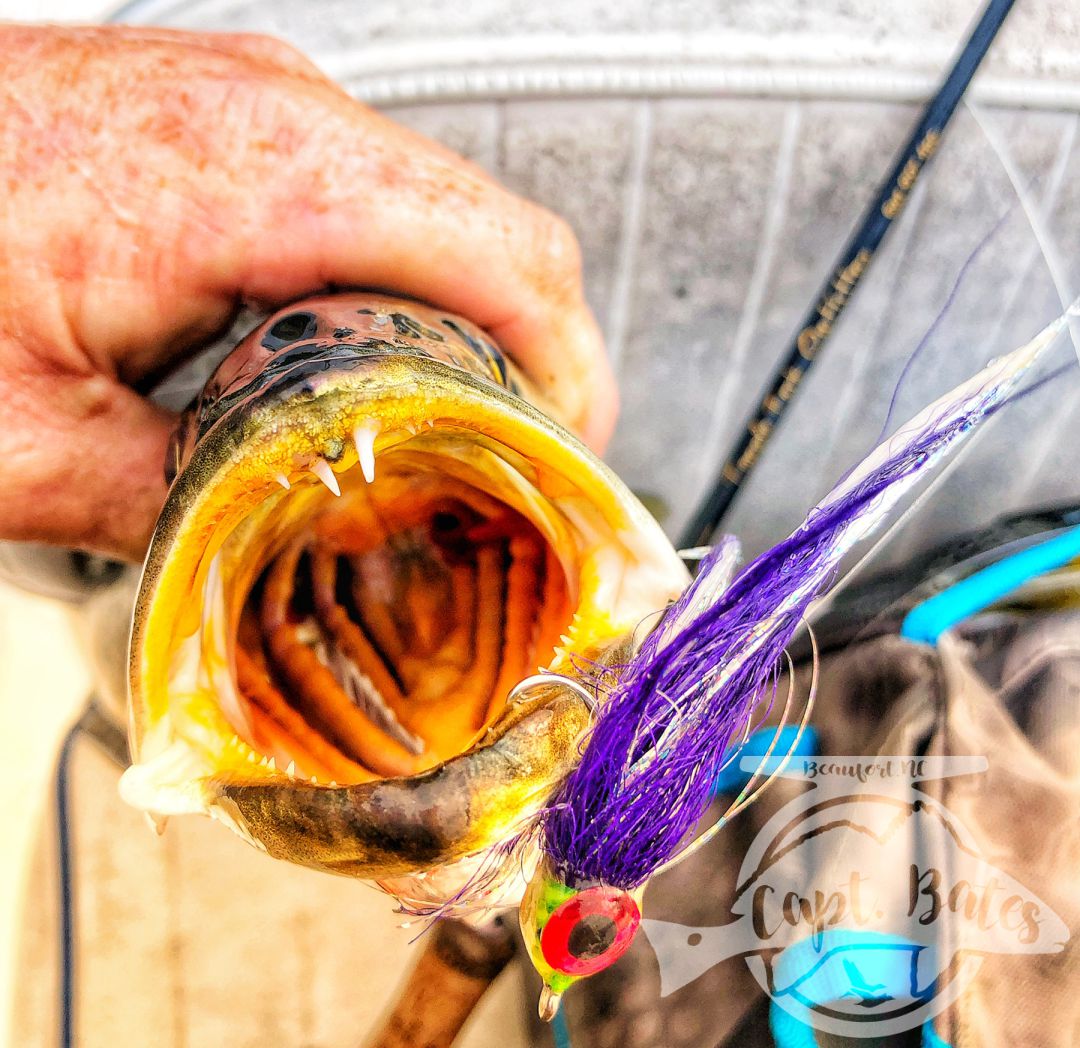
(370, 540)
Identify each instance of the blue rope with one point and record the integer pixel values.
(560, 1031)
(731, 778)
(883, 960)
(926, 622)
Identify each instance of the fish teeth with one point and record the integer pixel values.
(364, 437)
(333, 782)
(252, 757)
(321, 468)
(271, 764)
(291, 770)
(282, 480)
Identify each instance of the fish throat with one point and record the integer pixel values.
(380, 633)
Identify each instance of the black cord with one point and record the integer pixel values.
(64, 859)
(854, 261)
(103, 729)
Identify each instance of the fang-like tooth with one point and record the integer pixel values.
(282, 480)
(291, 770)
(364, 438)
(333, 782)
(272, 764)
(263, 763)
(252, 757)
(314, 781)
(321, 469)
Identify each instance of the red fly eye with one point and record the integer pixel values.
(590, 931)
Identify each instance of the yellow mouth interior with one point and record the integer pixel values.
(368, 620)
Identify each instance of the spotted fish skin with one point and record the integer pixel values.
(329, 333)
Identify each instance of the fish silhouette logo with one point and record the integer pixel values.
(864, 907)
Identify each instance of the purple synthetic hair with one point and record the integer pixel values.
(649, 763)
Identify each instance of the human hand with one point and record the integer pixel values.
(155, 181)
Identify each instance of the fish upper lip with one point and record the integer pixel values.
(305, 360)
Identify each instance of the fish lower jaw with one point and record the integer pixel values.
(184, 777)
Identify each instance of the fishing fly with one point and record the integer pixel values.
(630, 807)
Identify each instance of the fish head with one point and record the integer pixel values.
(572, 932)
(375, 530)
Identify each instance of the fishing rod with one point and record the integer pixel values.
(854, 260)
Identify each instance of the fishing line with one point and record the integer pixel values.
(1046, 244)
(1043, 237)
(844, 278)
(939, 318)
(824, 603)
(950, 299)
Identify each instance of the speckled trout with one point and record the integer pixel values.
(376, 539)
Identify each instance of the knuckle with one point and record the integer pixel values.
(273, 51)
(563, 246)
(555, 254)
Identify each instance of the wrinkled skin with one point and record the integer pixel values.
(154, 181)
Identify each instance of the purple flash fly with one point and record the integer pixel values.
(650, 760)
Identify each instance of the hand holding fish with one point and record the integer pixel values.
(155, 181)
